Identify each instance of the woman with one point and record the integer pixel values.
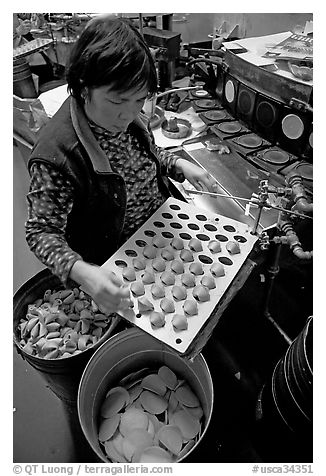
(96, 175)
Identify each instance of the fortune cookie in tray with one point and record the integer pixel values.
(186, 256)
(157, 319)
(167, 255)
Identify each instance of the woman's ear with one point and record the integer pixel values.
(84, 94)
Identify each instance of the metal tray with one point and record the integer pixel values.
(177, 219)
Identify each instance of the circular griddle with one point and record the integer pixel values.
(305, 170)
(275, 156)
(201, 93)
(230, 127)
(249, 141)
(206, 103)
(214, 115)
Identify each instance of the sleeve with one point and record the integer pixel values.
(50, 200)
(167, 160)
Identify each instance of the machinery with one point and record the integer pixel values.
(167, 44)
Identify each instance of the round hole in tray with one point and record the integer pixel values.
(229, 228)
(221, 238)
(210, 227)
(240, 238)
(176, 225)
(193, 226)
(202, 237)
(201, 217)
(167, 215)
(120, 263)
(183, 216)
(167, 234)
(149, 233)
(216, 219)
(226, 261)
(158, 224)
(185, 236)
(205, 259)
(138, 315)
(141, 243)
(178, 341)
(131, 253)
(175, 207)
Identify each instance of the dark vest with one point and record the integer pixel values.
(95, 223)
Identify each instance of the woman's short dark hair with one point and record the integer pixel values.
(110, 52)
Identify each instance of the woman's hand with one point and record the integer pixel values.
(197, 176)
(106, 288)
(24, 27)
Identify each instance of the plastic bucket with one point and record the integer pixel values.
(23, 84)
(285, 405)
(62, 375)
(298, 371)
(291, 385)
(127, 352)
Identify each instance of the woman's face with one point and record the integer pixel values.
(114, 110)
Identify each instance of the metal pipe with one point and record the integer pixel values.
(293, 241)
(289, 212)
(273, 271)
(150, 104)
(252, 202)
(176, 90)
(257, 220)
(301, 203)
(213, 194)
(301, 254)
(280, 330)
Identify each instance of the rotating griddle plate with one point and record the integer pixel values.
(215, 115)
(207, 103)
(305, 170)
(275, 156)
(249, 141)
(201, 93)
(272, 159)
(230, 127)
(226, 129)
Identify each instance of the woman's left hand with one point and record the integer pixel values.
(197, 176)
(24, 27)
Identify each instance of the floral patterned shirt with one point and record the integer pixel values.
(50, 198)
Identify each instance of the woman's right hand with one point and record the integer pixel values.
(105, 287)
